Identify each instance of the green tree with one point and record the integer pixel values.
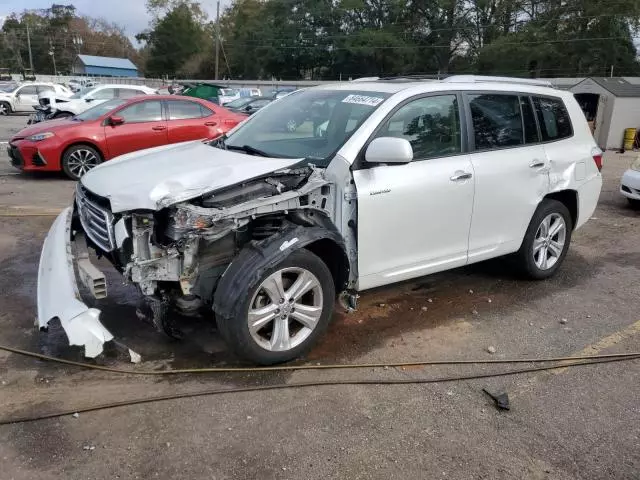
(173, 40)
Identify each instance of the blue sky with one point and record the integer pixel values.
(130, 14)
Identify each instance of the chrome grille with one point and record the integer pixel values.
(96, 220)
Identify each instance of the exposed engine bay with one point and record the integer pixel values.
(177, 255)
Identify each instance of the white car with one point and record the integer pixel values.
(24, 96)
(85, 99)
(630, 184)
(265, 227)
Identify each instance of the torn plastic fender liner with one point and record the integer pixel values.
(58, 294)
(259, 256)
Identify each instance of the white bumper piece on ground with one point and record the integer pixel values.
(630, 184)
(58, 294)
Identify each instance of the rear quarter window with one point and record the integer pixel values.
(553, 117)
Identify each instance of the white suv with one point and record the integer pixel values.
(265, 226)
(85, 99)
(23, 97)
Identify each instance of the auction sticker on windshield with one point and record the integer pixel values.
(363, 100)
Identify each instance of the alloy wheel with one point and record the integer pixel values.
(3, 109)
(81, 161)
(549, 241)
(285, 309)
(291, 126)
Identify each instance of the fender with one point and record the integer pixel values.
(258, 256)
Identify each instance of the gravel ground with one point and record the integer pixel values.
(570, 424)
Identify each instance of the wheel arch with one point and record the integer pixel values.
(258, 256)
(78, 143)
(569, 198)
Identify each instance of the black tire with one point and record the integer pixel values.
(68, 166)
(5, 108)
(62, 115)
(235, 328)
(525, 258)
(633, 203)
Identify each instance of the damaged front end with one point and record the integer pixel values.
(58, 295)
(175, 255)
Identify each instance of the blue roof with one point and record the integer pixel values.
(108, 62)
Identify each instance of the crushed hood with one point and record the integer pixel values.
(158, 177)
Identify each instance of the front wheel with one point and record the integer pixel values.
(633, 203)
(546, 242)
(5, 108)
(79, 159)
(286, 309)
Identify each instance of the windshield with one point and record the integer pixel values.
(82, 93)
(8, 88)
(239, 102)
(311, 124)
(100, 110)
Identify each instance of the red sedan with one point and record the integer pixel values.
(114, 128)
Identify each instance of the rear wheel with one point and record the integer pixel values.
(5, 108)
(286, 309)
(79, 159)
(546, 242)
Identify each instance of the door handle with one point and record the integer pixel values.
(460, 175)
(210, 124)
(537, 164)
(159, 128)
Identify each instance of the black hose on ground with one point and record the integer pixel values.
(587, 360)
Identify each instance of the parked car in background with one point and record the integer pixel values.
(630, 184)
(64, 107)
(264, 228)
(228, 95)
(77, 84)
(251, 106)
(24, 96)
(116, 127)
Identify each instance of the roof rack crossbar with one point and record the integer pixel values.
(488, 79)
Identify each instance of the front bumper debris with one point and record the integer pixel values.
(58, 295)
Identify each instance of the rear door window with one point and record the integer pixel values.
(497, 120)
(554, 120)
(181, 110)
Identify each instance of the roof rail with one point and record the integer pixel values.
(485, 79)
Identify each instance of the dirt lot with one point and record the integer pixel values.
(570, 424)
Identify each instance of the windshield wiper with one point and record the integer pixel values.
(248, 149)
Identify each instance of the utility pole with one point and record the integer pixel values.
(29, 46)
(53, 57)
(611, 74)
(217, 33)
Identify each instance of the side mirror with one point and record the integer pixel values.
(114, 121)
(88, 100)
(389, 150)
(247, 108)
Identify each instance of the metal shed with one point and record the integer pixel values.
(104, 66)
(613, 103)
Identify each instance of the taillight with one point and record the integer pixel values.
(596, 153)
